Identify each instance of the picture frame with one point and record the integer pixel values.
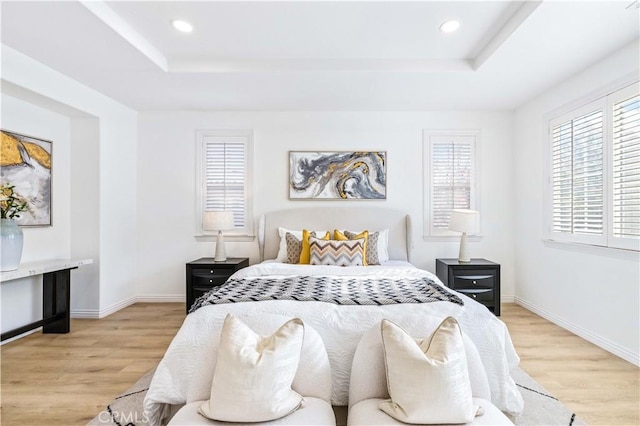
(337, 175)
(26, 164)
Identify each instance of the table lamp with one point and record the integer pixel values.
(218, 221)
(463, 220)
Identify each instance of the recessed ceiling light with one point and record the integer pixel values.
(449, 26)
(183, 26)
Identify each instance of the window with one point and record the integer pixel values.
(577, 173)
(450, 178)
(625, 168)
(224, 177)
(594, 172)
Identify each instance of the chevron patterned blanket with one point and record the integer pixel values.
(340, 290)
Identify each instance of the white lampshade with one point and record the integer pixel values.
(463, 220)
(217, 221)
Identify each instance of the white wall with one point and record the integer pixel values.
(117, 135)
(592, 292)
(118, 209)
(167, 181)
(21, 300)
(85, 215)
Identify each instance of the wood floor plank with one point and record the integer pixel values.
(598, 386)
(67, 379)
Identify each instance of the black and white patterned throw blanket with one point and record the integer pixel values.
(337, 290)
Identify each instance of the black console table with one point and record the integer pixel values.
(56, 294)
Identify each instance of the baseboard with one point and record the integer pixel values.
(117, 306)
(153, 298)
(507, 298)
(600, 341)
(160, 298)
(85, 313)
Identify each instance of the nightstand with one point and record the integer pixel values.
(478, 279)
(205, 273)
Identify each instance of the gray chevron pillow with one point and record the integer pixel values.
(372, 246)
(339, 253)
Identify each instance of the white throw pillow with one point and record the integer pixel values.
(253, 374)
(282, 248)
(428, 379)
(383, 245)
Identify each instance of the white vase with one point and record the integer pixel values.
(10, 245)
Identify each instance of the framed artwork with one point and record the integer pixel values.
(338, 175)
(26, 164)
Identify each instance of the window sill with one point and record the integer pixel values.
(592, 249)
(453, 238)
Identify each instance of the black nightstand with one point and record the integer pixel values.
(205, 273)
(478, 279)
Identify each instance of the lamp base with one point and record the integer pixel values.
(221, 254)
(462, 254)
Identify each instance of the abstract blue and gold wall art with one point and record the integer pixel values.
(25, 163)
(338, 175)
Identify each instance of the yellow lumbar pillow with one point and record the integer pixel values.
(339, 235)
(305, 254)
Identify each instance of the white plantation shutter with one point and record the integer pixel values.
(577, 175)
(588, 202)
(625, 167)
(225, 165)
(595, 172)
(224, 176)
(451, 180)
(562, 177)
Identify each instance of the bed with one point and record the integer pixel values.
(186, 370)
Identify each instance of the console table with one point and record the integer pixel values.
(56, 293)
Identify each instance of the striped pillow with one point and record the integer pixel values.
(371, 249)
(338, 253)
(338, 235)
(304, 253)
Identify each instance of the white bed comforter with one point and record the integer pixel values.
(186, 370)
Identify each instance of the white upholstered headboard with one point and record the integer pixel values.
(330, 218)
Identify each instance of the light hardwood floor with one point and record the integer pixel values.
(67, 379)
(599, 387)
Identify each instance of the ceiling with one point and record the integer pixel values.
(348, 55)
